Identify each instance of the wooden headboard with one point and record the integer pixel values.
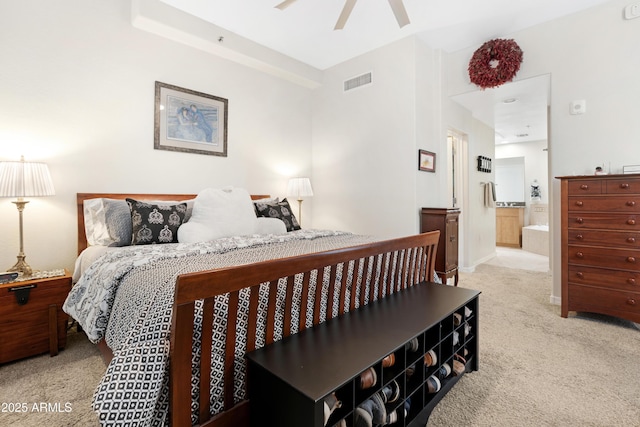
(81, 197)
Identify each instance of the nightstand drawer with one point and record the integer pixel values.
(38, 324)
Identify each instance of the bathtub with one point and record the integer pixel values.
(535, 238)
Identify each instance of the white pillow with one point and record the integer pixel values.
(107, 222)
(270, 226)
(219, 213)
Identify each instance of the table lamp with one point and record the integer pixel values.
(24, 179)
(299, 188)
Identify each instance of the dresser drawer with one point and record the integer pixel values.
(625, 259)
(602, 277)
(629, 203)
(623, 222)
(604, 300)
(616, 239)
(585, 186)
(623, 186)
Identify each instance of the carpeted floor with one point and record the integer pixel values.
(536, 368)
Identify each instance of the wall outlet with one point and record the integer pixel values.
(632, 11)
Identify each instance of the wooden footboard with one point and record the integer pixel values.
(351, 276)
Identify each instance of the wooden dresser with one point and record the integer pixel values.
(444, 220)
(601, 245)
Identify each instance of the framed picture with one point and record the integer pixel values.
(427, 161)
(190, 121)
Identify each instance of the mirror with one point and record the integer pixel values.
(510, 179)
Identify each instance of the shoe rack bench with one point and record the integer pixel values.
(289, 379)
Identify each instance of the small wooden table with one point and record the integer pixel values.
(31, 317)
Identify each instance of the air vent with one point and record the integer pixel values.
(356, 82)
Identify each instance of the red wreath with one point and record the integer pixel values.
(496, 62)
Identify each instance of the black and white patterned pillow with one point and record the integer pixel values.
(155, 222)
(280, 210)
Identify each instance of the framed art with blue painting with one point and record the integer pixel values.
(190, 121)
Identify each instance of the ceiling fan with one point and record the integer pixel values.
(396, 5)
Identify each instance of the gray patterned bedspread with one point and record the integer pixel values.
(126, 298)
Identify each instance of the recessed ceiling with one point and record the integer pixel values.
(304, 30)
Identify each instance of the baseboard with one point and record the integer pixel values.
(472, 268)
(555, 300)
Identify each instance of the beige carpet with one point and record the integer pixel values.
(536, 368)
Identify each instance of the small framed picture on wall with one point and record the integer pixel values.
(427, 161)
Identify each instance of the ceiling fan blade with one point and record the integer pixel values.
(400, 12)
(344, 15)
(285, 4)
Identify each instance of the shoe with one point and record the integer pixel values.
(342, 423)
(458, 368)
(456, 338)
(362, 418)
(457, 319)
(412, 345)
(444, 371)
(392, 418)
(433, 384)
(430, 358)
(467, 329)
(379, 410)
(467, 312)
(391, 392)
(407, 406)
(389, 361)
(372, 411)
(331, 403)
(368, 378)
(410, 371)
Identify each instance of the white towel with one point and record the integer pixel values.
(489, 195)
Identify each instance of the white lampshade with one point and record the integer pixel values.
(25, 179)
(299, 187)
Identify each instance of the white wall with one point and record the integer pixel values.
(77, 85)
(592, 55)
(364, 145)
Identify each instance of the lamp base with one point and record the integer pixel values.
(21, 267)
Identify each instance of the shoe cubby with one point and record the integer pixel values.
(374, 361)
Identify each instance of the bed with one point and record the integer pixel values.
(199, 308)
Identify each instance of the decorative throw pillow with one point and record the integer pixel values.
(155, 222)
(280, 210)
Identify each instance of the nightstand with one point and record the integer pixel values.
(31, 317)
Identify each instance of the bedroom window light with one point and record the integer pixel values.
(299, 188)
(24, 179)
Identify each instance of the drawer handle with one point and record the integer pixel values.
(625, 185)
(580, 274)
(631, 301)
(631, 203)
(631, 239)
(579, 255)
(579, 203)
(631, 259)
(631, 221)
(579, 220)
(584, 187)
(631, 281)
(579, 237)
